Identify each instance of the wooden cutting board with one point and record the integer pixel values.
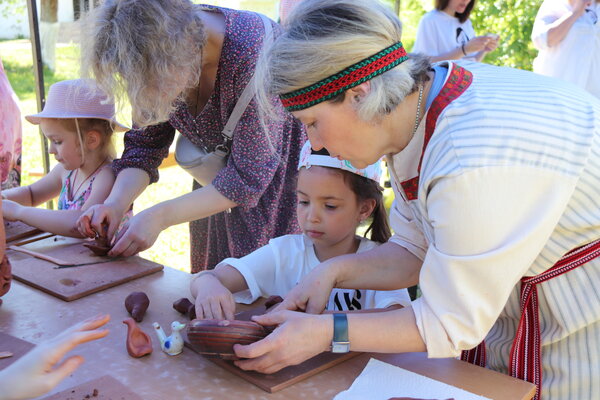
(16, 346)
(70, 284)
(104, 388)
(288, 376)
(16, 230)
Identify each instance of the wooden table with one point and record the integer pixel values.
(35, 316)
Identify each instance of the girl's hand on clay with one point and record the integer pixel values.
(213, 301)
(38, 371)
(100, 219)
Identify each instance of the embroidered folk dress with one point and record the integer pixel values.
(10, 134)
(260, 181)
(507, 184)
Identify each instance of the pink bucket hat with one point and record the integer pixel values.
(78, 98)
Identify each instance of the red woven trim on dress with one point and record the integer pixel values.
(458, 81)
(526, 351)
(350, 77)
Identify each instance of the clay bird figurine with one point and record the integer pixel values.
(138, 343)
(172, 345)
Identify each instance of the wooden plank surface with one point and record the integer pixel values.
(16, 230)
(14, 345)
(73, 283)
(288, 376)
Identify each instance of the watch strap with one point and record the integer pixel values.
(340, 343)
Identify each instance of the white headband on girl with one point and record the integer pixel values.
(308, 158)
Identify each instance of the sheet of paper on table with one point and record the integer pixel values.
(380, 380)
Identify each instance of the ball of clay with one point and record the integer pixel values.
(136, 304)
(185, 307)
(215, 338)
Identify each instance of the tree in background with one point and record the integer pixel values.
(512, 19)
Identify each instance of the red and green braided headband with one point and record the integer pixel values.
(348, 78)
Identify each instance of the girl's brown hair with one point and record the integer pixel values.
(462, 17)
(365, 189)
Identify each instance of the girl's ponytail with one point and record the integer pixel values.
(365, 189)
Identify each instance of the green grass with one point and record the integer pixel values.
(172, 246)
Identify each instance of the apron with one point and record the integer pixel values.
(525, 354)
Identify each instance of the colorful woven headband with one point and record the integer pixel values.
(309, 157)
(352, 76)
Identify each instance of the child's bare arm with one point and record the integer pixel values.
(60, 222)
(39, 192)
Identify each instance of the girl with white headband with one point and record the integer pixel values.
(497, 208)
(78, 120)
(333, 199)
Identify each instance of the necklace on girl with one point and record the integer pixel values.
(72, 192)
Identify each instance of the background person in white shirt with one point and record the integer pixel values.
(567, 35)
(496, 173)
(446, 33)
(333, 199)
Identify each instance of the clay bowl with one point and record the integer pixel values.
(215, 338)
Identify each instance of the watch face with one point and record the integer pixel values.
(340, 347)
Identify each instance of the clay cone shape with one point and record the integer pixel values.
(138, 342)
(136, 304)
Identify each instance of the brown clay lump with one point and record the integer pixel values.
(136, 304)
(100, 246)
(185, 307)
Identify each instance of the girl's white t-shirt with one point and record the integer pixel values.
(439, 33)
(576, 58)
(274, 269)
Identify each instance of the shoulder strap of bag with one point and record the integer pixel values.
(248, 92)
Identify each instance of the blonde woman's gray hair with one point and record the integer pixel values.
(147, 50)
(323, 37)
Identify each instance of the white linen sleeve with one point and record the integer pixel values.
(258, 269)
(407, 232)
(489, 225)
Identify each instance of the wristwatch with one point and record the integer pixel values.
(340, 342)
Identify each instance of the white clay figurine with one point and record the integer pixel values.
(172, 345)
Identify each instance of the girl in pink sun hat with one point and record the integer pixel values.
(78, 120)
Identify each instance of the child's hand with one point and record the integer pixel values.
(36, 372)
(213, 301)
(96, 218)
(11, 210)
